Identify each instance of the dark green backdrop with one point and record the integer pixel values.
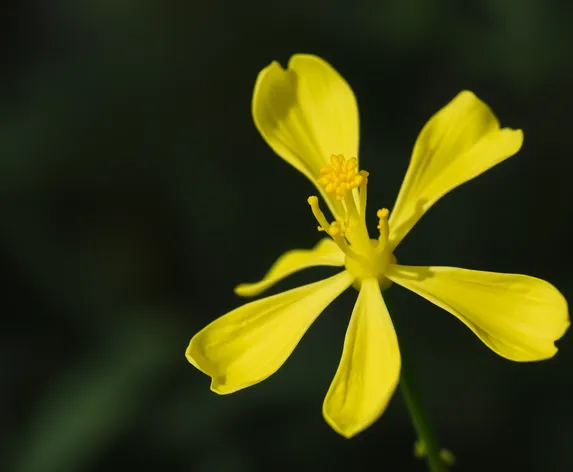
(135, 193)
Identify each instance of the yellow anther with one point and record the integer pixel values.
(336, 161)
(341, 176)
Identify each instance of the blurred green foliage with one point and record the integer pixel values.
(133, 184)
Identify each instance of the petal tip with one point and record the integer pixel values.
(467, 95)
(520, 136)
(218, 387)
(273, 65)
(344, 430)
(219, 383)
(302, 56)
(243, 290)
(189, 352)
(189, 357)
(510, 139)
(193, 358)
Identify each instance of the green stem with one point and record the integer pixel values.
(421, 424)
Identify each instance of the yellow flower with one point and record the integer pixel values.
(309, 117)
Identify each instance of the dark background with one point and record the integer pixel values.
(135, 193)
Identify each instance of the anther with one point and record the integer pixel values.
(341, 176)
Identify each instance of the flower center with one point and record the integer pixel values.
(365, 257)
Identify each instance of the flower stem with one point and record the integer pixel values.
(421, 424)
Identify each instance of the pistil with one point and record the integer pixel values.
(383, 228)
(365, 257)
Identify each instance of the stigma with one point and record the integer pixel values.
(365, 257)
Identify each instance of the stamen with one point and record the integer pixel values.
(341, 176)
(362, 192)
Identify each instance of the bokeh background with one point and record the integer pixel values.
(135, 193)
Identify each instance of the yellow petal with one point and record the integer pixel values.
(517, 316)
(250, 343)
(369, 369)
(457, 144)
(306, 113)
(325, 253)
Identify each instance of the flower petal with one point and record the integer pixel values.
(458, 143)
(325, 253)
(517, 316)
(369, 369)
(250, 343)
(306, 113)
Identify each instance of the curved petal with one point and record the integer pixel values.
(517, 316)
(325, 253)
(250, 343)
(458, 143)
(306, 113)
(369, 369)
